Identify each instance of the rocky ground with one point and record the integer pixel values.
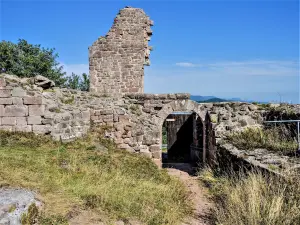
(13, 203)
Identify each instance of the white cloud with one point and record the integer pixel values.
(186, 64)
(252, 79)
(249, 67)
(75, 68)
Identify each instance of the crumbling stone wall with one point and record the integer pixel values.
(24, 106)
(134, 120)
(116, 61)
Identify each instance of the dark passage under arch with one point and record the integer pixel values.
(183, 138)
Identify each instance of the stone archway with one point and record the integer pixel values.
(187, 105)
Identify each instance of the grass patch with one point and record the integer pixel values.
(68, 101)
(254, 198)
(270, 139)
(122, 185)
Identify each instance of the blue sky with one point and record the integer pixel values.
(247, 49)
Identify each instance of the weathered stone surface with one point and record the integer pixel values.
(5, 93)
(17, 199)
(154, 148)
(21, 120)
(2, 82)
(6, 101)
(1, 110)
(15, 110)
(41, 129)
(18, 92)
(9, 121)
(43, 82)
(156, 155)
(34, 120)
(47, 121)
(36, 110)
(125, 46)
(33, 100)
(7, 128)
(17, 101)
(24, 128)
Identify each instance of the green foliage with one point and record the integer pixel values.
(135, 109)
(68, 101)
(78, 82)
(52, 220)
(164, 135)
(22, 139)
(27, 60)
(12, 208)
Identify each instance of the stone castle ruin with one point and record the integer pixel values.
(117, 101)
(116, 61)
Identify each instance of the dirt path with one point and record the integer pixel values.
(198, 194)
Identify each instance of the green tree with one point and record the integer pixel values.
(85, 84)
(78, 82)
(27, 60)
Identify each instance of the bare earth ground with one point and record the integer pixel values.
(198, 194)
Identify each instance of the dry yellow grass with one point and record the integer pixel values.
(254, 198)
(81, 175)
(271, 139)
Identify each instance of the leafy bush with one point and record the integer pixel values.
(27, 60)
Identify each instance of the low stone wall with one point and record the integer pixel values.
(134, 121)
(232, 158)
(26, 107)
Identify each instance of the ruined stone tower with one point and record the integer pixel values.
(116, 61)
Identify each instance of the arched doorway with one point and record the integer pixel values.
(194, 133)
(183, 138)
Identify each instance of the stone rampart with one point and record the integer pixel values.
(134, 121)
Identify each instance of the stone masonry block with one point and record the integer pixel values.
(9, 121)
(33, 100)
(17, 101)
(41, 129)
(7, 128)
(5, 93)
(154, 148)
(21, 121)
(18, 92)
(36, 110)
(1, 110)
(86, 115)
(6, 101)
(16, 110)
(47, 121)
(156, 155)
(2, 82)
(123, 119)
(24, 128)
(34, 120)
(107, 112)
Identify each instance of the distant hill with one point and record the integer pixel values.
(214, 100)
(199, 98)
